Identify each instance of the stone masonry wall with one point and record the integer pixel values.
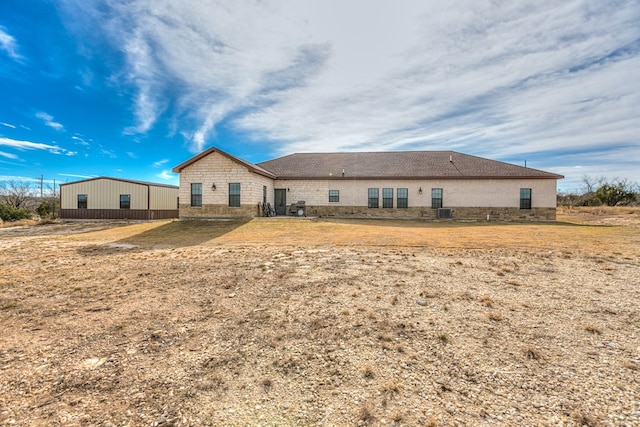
(493, 214)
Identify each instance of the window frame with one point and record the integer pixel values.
(334, 196)
(196, 197)
(436, 198)
(387, 198)
(82, 204)
(127, 202)
(525, 202)
(234, 194)
(373, 201)
(402, 202)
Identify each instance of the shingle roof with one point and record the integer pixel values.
(397, 164)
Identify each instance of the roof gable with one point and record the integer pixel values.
(397, 164)
(253, 168)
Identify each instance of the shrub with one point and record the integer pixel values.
(45, 209)
(10, 214)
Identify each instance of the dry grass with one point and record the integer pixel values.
(302, 322)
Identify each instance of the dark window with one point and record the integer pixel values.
(373, 198)
(403, 196)
(196, 194)
(387, 197)
(525, 198)
(82, 201)
(125, 201)
(234, 195)
(334, 195)
(264, 194)
(436, 198)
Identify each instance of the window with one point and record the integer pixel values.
(403, 196)
(82, 201)
(373, 198)
(125, 201)
(387, 197)
(234, 195)
(525, 198)
(334, 196)
(264, 194)
(436, 198)
(196, 194)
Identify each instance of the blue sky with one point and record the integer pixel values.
(131, 88)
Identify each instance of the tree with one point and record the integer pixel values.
(16, 193)
(616, 193)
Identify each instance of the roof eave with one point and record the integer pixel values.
(253, 168)
(425, 177)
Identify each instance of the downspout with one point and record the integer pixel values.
(148, 202)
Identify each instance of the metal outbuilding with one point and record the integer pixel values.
(116, 198)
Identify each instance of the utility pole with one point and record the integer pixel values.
(41, 183)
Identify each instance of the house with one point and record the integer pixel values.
(115, 198)
(404, 184)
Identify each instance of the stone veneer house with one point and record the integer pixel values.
(404, 184)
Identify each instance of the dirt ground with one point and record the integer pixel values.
(298, 322)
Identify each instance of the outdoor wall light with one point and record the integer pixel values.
(420, 190)
(213, 187)
(288, 189)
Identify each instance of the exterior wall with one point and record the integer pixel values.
(496, 193)
(104, 194)
(163, 198)
(465, 213)
(221, 171)
(135, 214)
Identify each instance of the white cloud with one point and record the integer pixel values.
(9, 125)
(160, 163)
(528, 78)
(48, 120)
(71, 175)
(8, 44)
(167, 175)
(28, 145)
(108, 153)
(8, 155)
(81, 140)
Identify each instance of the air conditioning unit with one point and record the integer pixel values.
(445, 213)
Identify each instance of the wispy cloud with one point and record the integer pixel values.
(159, 163)
(9, 125)
(516, 80)
(108, 153)
(48, 120)
(167, 175)
(71, 175)
(8, 44)
(80, 139)
(8, 155)
(29, 145)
